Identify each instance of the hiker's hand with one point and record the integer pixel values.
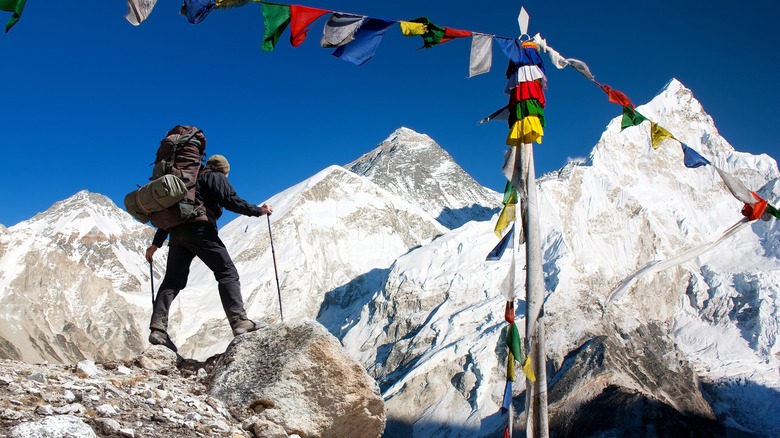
(266, 209)
(150, 253)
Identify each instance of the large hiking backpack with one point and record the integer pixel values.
(169, 199)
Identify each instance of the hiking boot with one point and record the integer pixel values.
(245, 326)
(159, 337)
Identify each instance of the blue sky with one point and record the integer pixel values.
(86, 97)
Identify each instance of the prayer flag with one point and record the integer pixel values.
(772, 211)
(692, 158)
(582, 68)
(658, 134)
(499, 114)
(527, 90)
(15, 6)
(631, 117)
(508, 285)
(525, 108)
(276, 17)
(735, 186)
(616, 96)
(515, 169)
(507, 401)
(518, 54)
(513, 340)
(755, 209)
(366, 41)
(528, 369)
(409, 28)
(197, 10)
(451, 34)
(508, 215)
(510, 367)
(509, 311)
(138, 10)
(340, 29)
(432, 35)
(300, 17)
(503, 244)
(527, 130)
(481, 57)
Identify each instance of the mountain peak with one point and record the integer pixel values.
(81, 214)
(413, 166)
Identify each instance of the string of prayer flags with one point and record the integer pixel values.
(197, 10)
(14, 6)
(300, 18)
(276, 18)
(138, 10)
(658, 134)
(481, 55)
(525, 75)
(367, 39)
(340, 29)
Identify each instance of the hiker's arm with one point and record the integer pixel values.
(229, 200)
(157, 242)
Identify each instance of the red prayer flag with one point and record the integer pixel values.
(756, 210)
(616, 96)
(300, 17)
(509, 312)
(527, 90)
(450, 33)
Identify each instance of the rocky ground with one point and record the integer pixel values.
(155, 394)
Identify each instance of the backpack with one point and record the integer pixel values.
(169, 199)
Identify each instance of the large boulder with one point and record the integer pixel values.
(298, 376)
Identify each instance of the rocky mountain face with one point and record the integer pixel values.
(388, 254)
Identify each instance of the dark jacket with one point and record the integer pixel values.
(214, 192)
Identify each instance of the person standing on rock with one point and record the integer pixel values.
(199, 238)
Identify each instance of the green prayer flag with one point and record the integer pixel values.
(513, 341)
(15, 6)
(433, 35)
(773, 211)
(631, 117)
(276, 18)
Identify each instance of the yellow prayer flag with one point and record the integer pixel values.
(507, 216)
(409, 28)
(658, 134)
(510, 367)
(527, 130)
(528, 370)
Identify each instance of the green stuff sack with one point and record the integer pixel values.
(155, 196)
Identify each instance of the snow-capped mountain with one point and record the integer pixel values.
(414, 167)
(390, 257)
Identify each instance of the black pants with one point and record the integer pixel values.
(187, 241)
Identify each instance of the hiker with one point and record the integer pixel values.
(199, 238)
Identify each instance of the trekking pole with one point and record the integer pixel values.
(276, 272)
(151, 277)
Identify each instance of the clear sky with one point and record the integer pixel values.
(86, 96)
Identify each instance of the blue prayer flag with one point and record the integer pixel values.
(692, 158)
(367, 39)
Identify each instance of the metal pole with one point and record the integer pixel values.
(151, 278)
(535, 292)
(276, 272)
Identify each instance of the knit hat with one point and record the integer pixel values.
(218, 163)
